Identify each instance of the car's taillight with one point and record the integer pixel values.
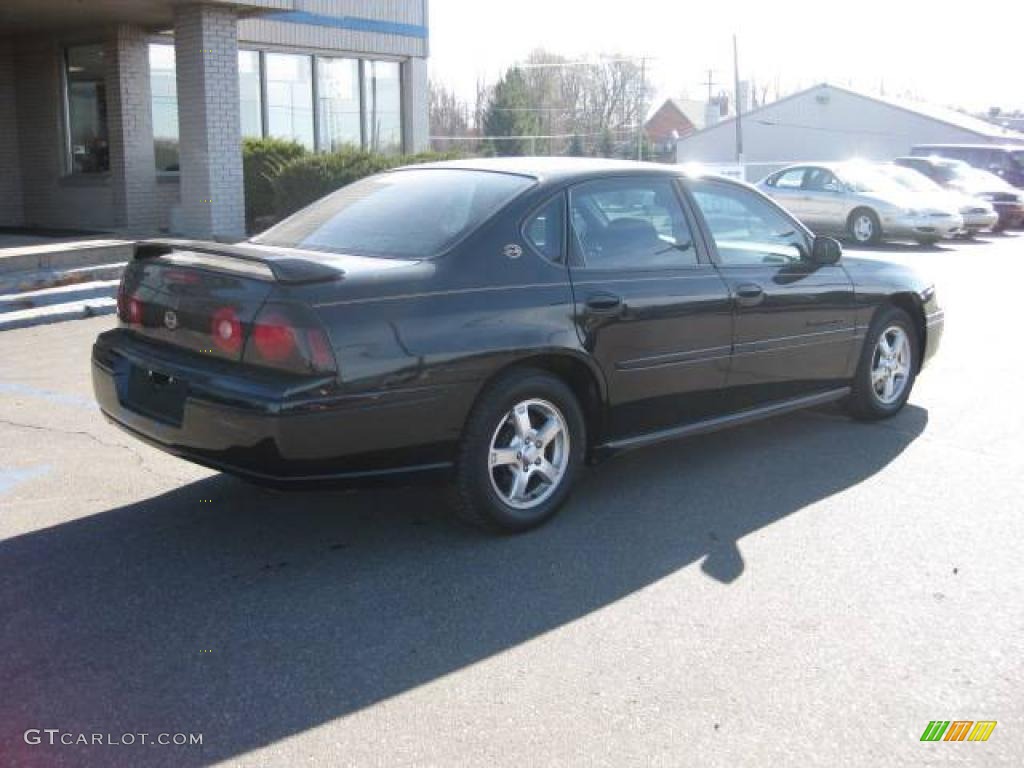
(226, 330)
(129, 308)
(289, 338)
(274, 338)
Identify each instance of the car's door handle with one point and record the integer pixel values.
(603, 303)
(749, 294)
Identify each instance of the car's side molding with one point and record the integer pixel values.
(719, 422)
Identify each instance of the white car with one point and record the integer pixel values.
(857, 200)
(978, 213)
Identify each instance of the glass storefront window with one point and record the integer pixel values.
(290, 97)
(250, 94)
(163, 88)
(382, 92)
(338, 96)
(87, 109)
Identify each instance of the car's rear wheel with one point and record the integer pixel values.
(865, 229)
(521, 450)
(887, 367)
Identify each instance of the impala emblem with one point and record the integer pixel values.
(171, 319)
(513, 250)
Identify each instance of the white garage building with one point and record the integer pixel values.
(829, 123)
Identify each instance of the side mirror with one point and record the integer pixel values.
(826, 250)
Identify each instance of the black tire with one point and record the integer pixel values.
(476, 499)
(876, 227)
(864, 402)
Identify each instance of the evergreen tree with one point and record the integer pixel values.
(508, 114)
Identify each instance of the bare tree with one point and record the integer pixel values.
(596, 106)
(449, 116)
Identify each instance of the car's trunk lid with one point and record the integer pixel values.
(204, 297)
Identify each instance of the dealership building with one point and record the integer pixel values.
(128, 116)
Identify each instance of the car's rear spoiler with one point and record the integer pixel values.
(250, 260)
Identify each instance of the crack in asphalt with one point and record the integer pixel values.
(140, 460)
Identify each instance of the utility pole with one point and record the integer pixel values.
(640, 111)
(710, 84)
(739, 106)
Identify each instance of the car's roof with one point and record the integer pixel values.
(559, 168)
(1006, 147)
(935, 160)
(828, 166)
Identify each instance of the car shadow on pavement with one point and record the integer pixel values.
(250, 615)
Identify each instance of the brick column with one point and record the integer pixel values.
(206, 48)
(11, 207)
(130, 131)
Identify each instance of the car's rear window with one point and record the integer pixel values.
(403, 214)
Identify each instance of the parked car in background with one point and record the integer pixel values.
(978, 213)
(857, 200)
(956, 174)
(502, 321)
(1007, 162)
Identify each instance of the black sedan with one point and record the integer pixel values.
(501, 322)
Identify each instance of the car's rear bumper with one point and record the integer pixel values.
(272, 429)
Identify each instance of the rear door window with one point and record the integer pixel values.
(631, 223)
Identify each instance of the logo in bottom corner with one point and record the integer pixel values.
(958, 730)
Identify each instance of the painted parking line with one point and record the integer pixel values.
(50, 395)
(11, 477)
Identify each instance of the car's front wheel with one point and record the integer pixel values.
(887, 367)
(522, 447)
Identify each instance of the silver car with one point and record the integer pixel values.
(978, 213)
(857, 200)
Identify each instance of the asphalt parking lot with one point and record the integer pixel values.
(807, 591)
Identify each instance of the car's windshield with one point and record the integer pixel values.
(909, 178)
(864, 178)
(414, 213)
(982, 181)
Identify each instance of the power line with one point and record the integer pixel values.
(624, 129)
(581, 62)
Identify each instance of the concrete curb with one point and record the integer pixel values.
(57, 313)
(21, 282)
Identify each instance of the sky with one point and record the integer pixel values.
(936, 51)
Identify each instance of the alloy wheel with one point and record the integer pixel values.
(529, 453)
(890, 365)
